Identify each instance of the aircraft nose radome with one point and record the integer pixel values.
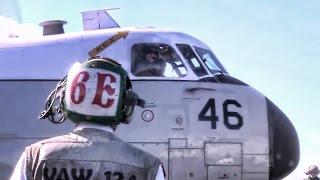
(283, 143)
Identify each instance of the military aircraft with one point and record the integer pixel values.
(201, 121)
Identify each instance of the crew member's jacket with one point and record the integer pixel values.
(89, 154)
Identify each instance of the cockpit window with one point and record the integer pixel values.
(156, 60)
(210, 60)
(192, 59)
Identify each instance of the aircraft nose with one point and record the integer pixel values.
(284, 143)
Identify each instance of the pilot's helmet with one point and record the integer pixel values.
(312, 169)
(99, 91)
(150, 49)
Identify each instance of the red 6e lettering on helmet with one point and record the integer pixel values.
(93, 91)
(82, 88)
(101, 87)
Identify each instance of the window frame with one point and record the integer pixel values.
(215, 60)
(197, 59)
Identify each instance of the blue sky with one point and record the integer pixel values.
(271, 45)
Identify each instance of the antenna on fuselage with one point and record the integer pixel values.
(98, 19)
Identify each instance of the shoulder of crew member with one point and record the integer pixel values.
(35, 147)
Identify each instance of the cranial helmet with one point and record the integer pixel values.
(98, 91)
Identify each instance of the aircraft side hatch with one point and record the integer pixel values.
(223, 160)
(224, 172)
(214, 161)
(181, 171)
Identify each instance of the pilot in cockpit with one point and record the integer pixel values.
(149, 63)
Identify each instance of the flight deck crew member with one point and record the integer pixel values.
(312, 173)
(96, 95)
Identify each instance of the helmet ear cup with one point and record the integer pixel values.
(128, 113)
(130, 100)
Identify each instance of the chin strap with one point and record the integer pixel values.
(54, 104)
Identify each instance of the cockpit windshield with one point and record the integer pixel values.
(192, 59)
(156, 60)
(210, 60)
